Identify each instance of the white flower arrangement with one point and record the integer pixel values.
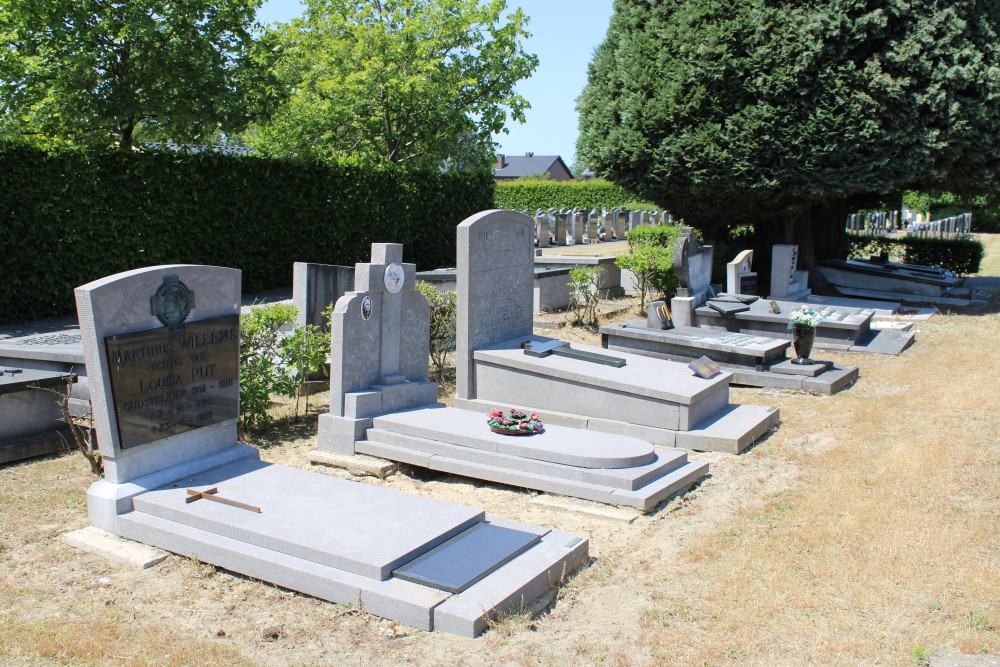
(805, 316)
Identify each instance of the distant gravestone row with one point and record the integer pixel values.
(912, 223)
(578, 226)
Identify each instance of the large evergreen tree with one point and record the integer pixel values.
(785, 114)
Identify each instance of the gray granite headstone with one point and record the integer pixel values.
(162, 351)
(379, 349)
(787, 281)
(739, 278)
(495, 270)
(692, 264)
(542, 229)
(315, 287)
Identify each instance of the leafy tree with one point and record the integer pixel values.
(398, 81)
(94, 71)
(786, 115)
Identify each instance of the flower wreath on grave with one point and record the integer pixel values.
(514, 422)
(804, 316)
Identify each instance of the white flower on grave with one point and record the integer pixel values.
(805, 316)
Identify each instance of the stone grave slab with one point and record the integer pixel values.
(294, 502)
(727, 307)
(158, 341)
(752, 360)
(810, 370)
(59, 351)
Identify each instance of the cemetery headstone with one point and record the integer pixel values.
(496, 263)
(379, 348)
(693, 267)
(787, 281)
(542, 229)
(578, 226)
(315, 287)
(739, 278)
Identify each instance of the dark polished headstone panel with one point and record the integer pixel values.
(167, 382)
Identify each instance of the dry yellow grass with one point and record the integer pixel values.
(889, 538)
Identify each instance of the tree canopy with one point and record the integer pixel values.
(92, 72)
(398, 81)
(781, 112)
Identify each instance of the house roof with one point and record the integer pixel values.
(516, 166)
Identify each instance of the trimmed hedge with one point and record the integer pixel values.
(70, 217)
(960, 256)
(531, 195)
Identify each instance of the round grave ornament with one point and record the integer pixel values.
(393, 278)
(514, 422)
(172, 302)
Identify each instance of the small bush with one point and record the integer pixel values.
(444, 311)
(260, 368)
(585, 295)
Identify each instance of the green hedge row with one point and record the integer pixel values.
(70, 217)
(532, 195)
(960, 256)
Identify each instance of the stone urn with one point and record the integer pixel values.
(803, 337)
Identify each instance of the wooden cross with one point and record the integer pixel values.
(210, 494)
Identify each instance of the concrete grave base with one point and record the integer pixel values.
(663, 402)
(368, 533)
(846, 329)
(754, 361)
(597, 466)
(31, 413)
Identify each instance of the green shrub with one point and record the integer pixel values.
(535, 194)
(444, 313)
(73, 216)
(960, 256)
(260, 362)
(584, 293)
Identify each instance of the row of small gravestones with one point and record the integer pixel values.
(558, 226)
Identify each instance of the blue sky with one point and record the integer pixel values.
(564, 36)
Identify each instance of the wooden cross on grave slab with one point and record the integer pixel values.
(210, 494)
(534, 348)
